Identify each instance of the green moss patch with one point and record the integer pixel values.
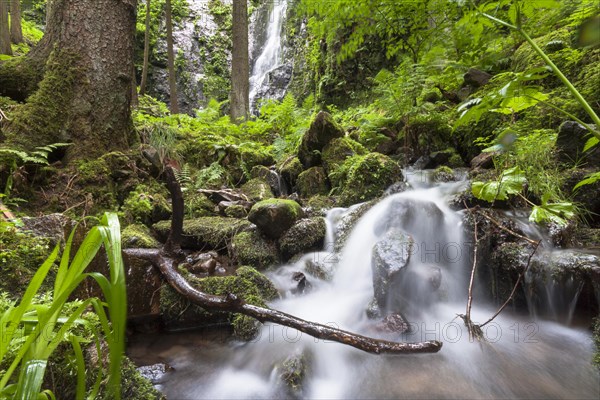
(251, 248)
(205, 232)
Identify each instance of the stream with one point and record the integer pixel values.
(524, 356)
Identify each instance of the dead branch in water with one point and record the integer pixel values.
(166, 261)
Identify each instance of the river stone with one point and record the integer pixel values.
(406, 213)
(306, 235)
(269, 176)
(292, 373)
(393, 323)
(313, 182)
(251, 248)
(390, 258)
(155, 373)
(257, 189)
(275, 216)
(321, 268)
(322, 131)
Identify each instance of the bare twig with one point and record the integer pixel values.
(499, 225)
(521, 275)
(467, 317)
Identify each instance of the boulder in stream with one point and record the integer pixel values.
(305, 235)
(275, 216)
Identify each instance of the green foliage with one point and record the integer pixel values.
(37, 329)
(13, 161)
(510, 182)
(590, 179)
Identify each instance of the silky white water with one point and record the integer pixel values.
(271, 54)
(523, 357)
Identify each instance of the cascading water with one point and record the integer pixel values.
(416, 236)
(271, 54)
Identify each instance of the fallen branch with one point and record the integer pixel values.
(166, 261)
(231, 303)
(473, 331)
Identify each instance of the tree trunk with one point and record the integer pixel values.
(240, 65)
(4, 29)
(146, 51)
(16, 32)
(85, 94)
(171, 60)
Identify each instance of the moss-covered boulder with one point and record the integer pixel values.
(146, 204)
(368, 178)
(292, 374)
(319, 204)
(205, 232)
(236, 211)
(257, 189)
(306, 235)
(290, 170)
(269, 176)
(322, 131)
(336, 152)
(251, 248)
(275, 216)
(448, 157)
(312, 182)
(138, 236)
(248, 284)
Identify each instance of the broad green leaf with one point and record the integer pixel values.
(591, 142)
(510, 182)
(590, 179)
(555, 212)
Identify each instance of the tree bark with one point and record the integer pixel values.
(240, 65)
(4, 29)
(171, 60)
(146, 62)
(85, 93)
(16, 32)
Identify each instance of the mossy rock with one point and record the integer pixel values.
(321, 131)
(443, 174)
(248, 285)
(205, 232)
(257, 189)
(275, 216)
(312, 182)
(146, 204)
(236, 211)
(251, 248)
(336, 152)
(198, 205)
(319, 204)
(290, 170)
(21, 254)
(292, 373)
(368, 178)
(306, 235)
(138, 236)
(134, 386)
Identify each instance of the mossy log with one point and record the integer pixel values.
(166, 260)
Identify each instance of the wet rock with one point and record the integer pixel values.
(368, 178)
(570, 143)
(347, 222)
(138, 236)
(155, 373)
(290, 170)
(476, 78)
(398, 187)
(321, 267)
(306, 235)
(218, 196)
(443, 174)
(393, 323)
(483, 160)
(322, 131)
(257, 189)
(312, 182)
(55, 227)
(390, 257)
(302, 284)
(203, 263)
(292, 373)
(373, 310)
(447, 157)
(336, 152)
(251, 248)
(318, 205)
(406, 213)
(235, 209)
(142, 278)
(271, 177)
(205, 232)
(275, 216)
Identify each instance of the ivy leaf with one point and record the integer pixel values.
(555, 212)
(511, 182)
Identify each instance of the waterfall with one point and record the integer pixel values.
(271, 51)
(522, 358)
